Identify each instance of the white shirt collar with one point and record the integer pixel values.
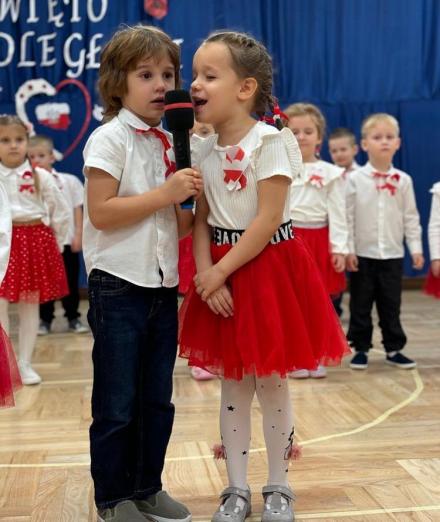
(127, 117)
(7, 171)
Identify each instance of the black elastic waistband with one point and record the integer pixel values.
(224, 236)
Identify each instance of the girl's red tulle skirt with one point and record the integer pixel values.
(317, 240)
(187, 265)
(35, 271)
(9, 375)
(283, 318)
(432, 285)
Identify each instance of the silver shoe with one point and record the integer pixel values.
(228, 510)
(276, 510)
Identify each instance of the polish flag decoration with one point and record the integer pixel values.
(234, 165)
(156, 8)
(317, 180)
(54, 115)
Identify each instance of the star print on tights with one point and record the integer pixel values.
(235, 425)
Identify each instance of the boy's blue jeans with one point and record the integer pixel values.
(135, 333)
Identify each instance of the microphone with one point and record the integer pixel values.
(179, 116)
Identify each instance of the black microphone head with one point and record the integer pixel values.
(179, 110)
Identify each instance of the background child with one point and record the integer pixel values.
(343, 149)
(381, 212)
(35, 271)
(132, 222)
(318, 205)
(9, 374)
(250, 270)
(432, 285)
(40, 152)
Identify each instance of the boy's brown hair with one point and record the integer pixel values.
(39, 139)
(343, 132)
(122, 54)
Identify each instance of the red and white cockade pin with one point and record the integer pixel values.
(234, 165)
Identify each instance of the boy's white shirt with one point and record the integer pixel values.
(378, 222)
(316, 203)
(5, 231)
(137, 252)
(27, 204)
(73, 192)
(434, 223)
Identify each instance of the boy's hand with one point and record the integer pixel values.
(220, 302)
(338, 262)
(182, 184)
(435, 267)
(352, 263)
(418, 261)
(208, 282)
(198, 180)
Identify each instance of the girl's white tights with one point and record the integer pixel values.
(28, 316)
(235, 426)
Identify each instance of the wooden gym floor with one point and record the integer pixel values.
(371, 440)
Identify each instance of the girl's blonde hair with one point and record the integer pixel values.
(122, 54)
(373, 119)
(250, 59)
(12, 119)
(308, 109)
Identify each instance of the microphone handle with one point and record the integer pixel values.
(182, 153)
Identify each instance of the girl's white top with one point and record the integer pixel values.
(434, 223)
(380, 218)
(5, 230)
(318, 200)
(27, 204)
(137, 252)
(267, 152)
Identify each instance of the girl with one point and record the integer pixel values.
(432, 285)
(318, 206)
(35, 272)
(258, 308)
(9, 375)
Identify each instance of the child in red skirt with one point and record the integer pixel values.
(258, 309)
(9, 374)
(432, 286)
(318, 205)
(35, 272)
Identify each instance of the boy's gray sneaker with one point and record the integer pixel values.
(160, 507)
(124, 511)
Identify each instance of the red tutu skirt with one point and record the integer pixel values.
(187, 265)
(283, 318)
(317, 240)
(35, 271)
(9, 375)
(432, 285)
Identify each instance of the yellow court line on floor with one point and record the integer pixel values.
(411, 398)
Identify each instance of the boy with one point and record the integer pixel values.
(40, 152)
(343, 149)
(381, 212)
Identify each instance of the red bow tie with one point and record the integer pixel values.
(171, 165)
(387, 178)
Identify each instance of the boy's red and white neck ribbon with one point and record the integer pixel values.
(234, 164)
(391, 181)
(316, 180)
(168, 153)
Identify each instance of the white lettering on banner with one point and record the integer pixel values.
(75, 14)
(92, 55)
(32, 15)
(79, 64)
(46, 49)
(10, 49)
(23, 62)
(9, 5)
(91, 12)
(52, 17)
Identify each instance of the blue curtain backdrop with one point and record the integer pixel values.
(350, 57)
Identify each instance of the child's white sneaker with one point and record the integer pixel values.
(27, 373)
(299, 374)
(319, 373)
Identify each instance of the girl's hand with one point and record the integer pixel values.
(220, 302)
(352, 263)
(418, 261)
(209, 281)
(435, 267)
(338, 262)
(198, 181)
